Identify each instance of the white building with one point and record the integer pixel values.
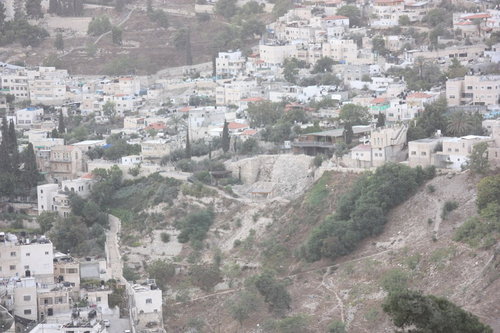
(229, 63)
(28, 116)
(26, 257)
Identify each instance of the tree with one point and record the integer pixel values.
(264, 113)
(252, 27)
(488, 192)
(34, 9)
(354, 114)
(98, 26)
(323, 65)
(109, 109)
(225, 137)
(205, 276)
(348, 133)
(281, 7)
(432, 118)
(46, 220)
(437, 16)
(412, 309)
(59, 42)
(353, 13)
(251, 8)
(188, 145)
(456, 69)
(459, 124)
(478, 159)
(226, 8)
(2, 14)
(378, 46)
(61, 128)
(242, 305)
(162, 272)
(381, 120)
(274, 292)
(404, 20)
(116, 35)
(30, 171)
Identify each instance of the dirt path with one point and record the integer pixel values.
(113, 255)
(119, 25)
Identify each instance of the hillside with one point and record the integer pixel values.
(416, 248)
(146, 47)
(411, 248)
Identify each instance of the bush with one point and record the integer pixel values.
(274, 292)
(361, 212)
(431, 188)
(165, 238)
(195, 226)
(448, 207)
(318, 160)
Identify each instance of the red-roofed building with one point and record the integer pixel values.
(158, 126)
(237, 127)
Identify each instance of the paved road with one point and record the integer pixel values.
(112, 248)
(118, 325)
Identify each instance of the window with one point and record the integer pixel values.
(414, 153)
(13, 254)
(72, 270)
(27, 312)
(12, 267)
(46, 252)
(27, 298)
(26, 267)
(149, 301)
(423, 153)
(27, 254)
(98, 299)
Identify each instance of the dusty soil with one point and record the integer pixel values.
(350, 288)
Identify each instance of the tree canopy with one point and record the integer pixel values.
(428, 313)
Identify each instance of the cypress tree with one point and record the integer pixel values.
(5, 165)
(30, 178)
(13, 151)
(348, 133)
(5, 132)
(188, 145)
(62, 127)
(225, 137)
(380, 120)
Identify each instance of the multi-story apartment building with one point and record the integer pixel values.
(22, 256)
(28, 116)
(14, 80)
(473, 90)
(229, 63)
(66, 162)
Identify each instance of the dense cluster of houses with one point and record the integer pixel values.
(37, 283)
(48, 291)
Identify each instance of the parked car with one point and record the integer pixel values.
(106, 322)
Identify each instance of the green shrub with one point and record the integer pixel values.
(431, 188)
(165, 238)
(448, 207)
(195, 225)
(361, 212)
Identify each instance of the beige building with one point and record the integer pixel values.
(422, 152)
(25, 298)
(67, 162)
(494, 145)
(455, 151)
(53, 300)
(473, 90)
(276, 54)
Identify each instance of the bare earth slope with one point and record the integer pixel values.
(416, 243)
